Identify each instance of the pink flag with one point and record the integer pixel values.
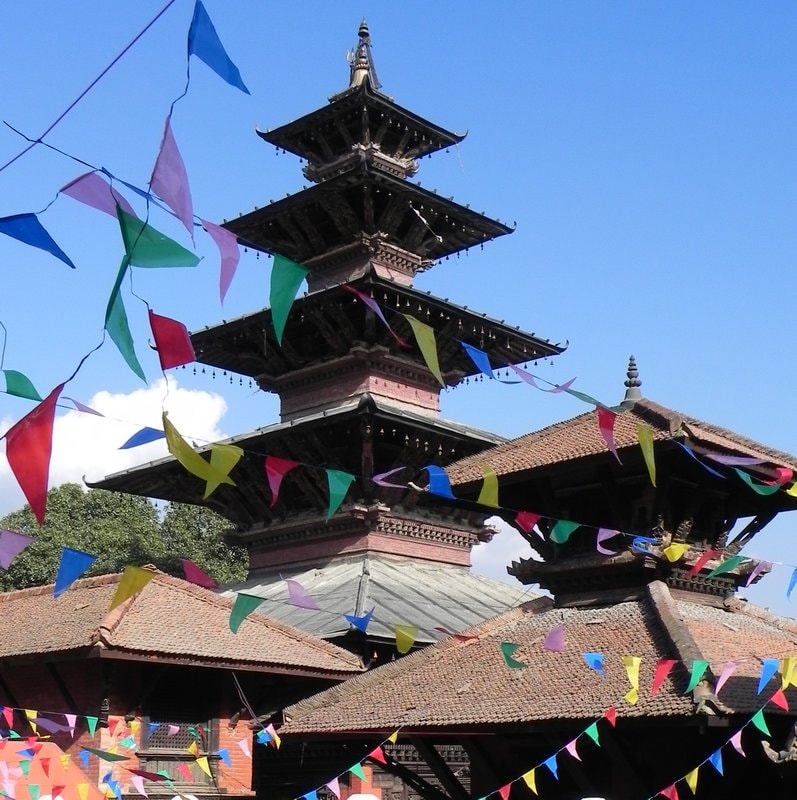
(71, 719)
(171, 341)
(663, 668)
(276, 470)
(727, 671)
(193, 574)
(606, 421)
(555, 640)
(736, 741)
(171, 730)
(374, 306)
(334, 787)
(169, 180)
(761, 566)
(244, 745)
(525, 376)
(29, 445)
(11, 545)
(526, 520)
(138, 783)
(603, 535)
(504, 791)
(94, 191)
(297, 596)
(571, 748)
(228, 250)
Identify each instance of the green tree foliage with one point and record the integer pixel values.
(120, 530)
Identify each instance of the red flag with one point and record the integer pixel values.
(504, 791)
(671, 793)
(171, 341)
(527, 520)
(185, 771)
(377, 754)
(779, 699)
(611, 716)
(705, 557)
(276, 470)
(29, 445)
(606, 420)
(663, 668)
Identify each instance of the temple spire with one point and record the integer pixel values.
(632, 384)
(361, 62)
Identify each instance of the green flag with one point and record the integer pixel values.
(106, 756)
(92, 723)
(508, 651)
(20, 386)
(726, 566)
(699, 667)
(424, 336)
(562, 530)
(339, 483)
(357, 769)
(592, 732)
(286, 277)
(24, 765)
(758, 488)
(244, 605)
(146, 247)
(760, 723)
(119, 331)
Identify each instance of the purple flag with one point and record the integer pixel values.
(92, 190)
(144, 436)
(228, 250)
(170, 181)
(11, 545)
(530, 380)
(374, 306)
(73, 564)
(555, 640)
(734, 461)
(26, 228)
(689, 452)
(298, 597)
(761, 566)
(204, 43)
(603, 535)
(379, 479)
(84, 408)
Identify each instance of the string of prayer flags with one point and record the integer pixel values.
(675, 551)
(143, 436)
(488, 496)
(11, 545)
(526, 520)
(133, 580)
(405, 637)
(508, 651)
(726, 566)
(286, 277)
(338, 483)
(439, 483)
(663, 668)
(632, 664)
(244, 605)
(118, 329)
(204, 43)
(94, 191)
(562, 530)
(276, 470)
(645, 438)
(20, 385)
(375, 307)
(194, 574)
(603, 535)
(227, 243)
(699, 667)
(595, 662)
(171, 341)
(28, 448)
(169, 178)
(298, 596)
(425, 338)
(555, 640)
(769, 666)
(361, 623)
(27, 229)
(73, 564)
(606, 420)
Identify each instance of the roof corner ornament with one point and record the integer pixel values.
(632, 384)
(361, 61)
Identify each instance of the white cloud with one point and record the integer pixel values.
(491, 559)
(88, 445)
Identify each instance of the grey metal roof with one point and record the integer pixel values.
(403, 591)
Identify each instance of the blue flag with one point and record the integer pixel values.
(26, 228)
(479, 358)
(144, 436)
(361, 623)
(769, 666)
(595, 661)
(438, 481)
(73, 564)
(551, 764)
(204, 43)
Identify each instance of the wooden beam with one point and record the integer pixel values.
(480, 762)
(632, 782)
(441, 770)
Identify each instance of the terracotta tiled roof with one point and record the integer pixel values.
(473, 686)
(580, 437)
(170, 618)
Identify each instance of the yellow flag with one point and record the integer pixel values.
(82, 790)
(393, 736)
(691, 780)
(530, 780)
(134, 726)
(133, 580)
(489, 493)
(631, 664)
(405, 637)
(202, 763)
(424, 336)
(223, 457)
(31, 714)
(792, 490)
(65, 759)
(190, 459)
(645, 436)
(675, 551)
(788, 672)
(193, 749)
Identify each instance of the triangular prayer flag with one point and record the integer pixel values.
(736, 741)
(73, 564)
(96, 192)
(504, 790)
(405, 637)
(193, 574)
(425, 338)
(227, 243)
(670, 793)
(202, 763)
(603, 535)
(91, 722)
(119, 330)
(65, 760)
(704, 558)
(691, 779)
(792, 583)
(675, 551)
(286, 277)
(611, 716)
(149, 248)
(663, 667)
(33, 790)
(756, 486)
(528, 378)
(224, 755)
(508, 650)
(133, 580)
(689, 452)
(550, 762)
(311, 795)
(632, 664)
(172, 730)
(82, 407)
(11, 545)
(244, 605)
(379, 479)
(562, 529)
(726, 566)
(190, 459)
(439, 483)
(769, 666)
(82, 790)
(276, 470)
(571, 748)
(526, 520)
(760, 723)
(761, 566)
(138, 784)
(606, 421)
(223, 458)
(28, 448)
(699, 667)
(377, 754)
(71, 720)
(171, 341)
(273, 734)
(185, 771)
(592, 731)
(361, 623)
(357, 769)
(393, 737)
(488, 496)
(479, 358)
(788, 672)
(31, 714)
(20, 385)
(338, 483)
(595, 661)
(106, 755)
(84, 757)
(645, 437)
(779, 699)
(298, 596)
(204, 43)
(530, 779)
(193, 749)
(27, 229)
(24, 765)
(142, 436)
(374, 306)
(334, 787)
(170, 181)
(555, 640)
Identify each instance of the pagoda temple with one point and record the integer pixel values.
(354, 395)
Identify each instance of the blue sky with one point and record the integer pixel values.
(646, 152)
